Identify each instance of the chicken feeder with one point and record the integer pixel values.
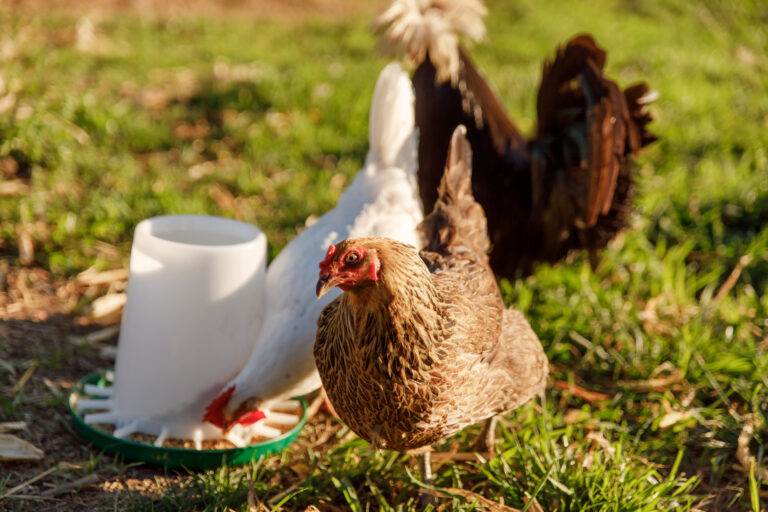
(195, 297)
(98, 383)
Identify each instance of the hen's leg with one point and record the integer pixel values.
(321, 403)
(425, 467)
(486, 441)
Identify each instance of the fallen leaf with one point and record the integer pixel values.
(15, 448)
(601, 441)
(26, 244)
(224, 198)
(745, 55)
(673, 417)
(13, 188)
(575, 416)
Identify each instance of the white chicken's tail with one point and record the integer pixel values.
(391, 120)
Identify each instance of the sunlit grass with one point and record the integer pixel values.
(266, 121)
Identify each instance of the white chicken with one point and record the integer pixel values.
(382, 200)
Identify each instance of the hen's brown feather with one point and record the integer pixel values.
(428, 348)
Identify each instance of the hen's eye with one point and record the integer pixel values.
(351, 258)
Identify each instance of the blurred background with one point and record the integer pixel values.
(257, 110)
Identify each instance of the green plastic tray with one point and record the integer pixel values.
(173, 457)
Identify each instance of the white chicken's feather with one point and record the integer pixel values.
(382, 200)
(419, 27)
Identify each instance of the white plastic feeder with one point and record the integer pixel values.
(195, 295)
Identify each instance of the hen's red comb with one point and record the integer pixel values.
(328, 257)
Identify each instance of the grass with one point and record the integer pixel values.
(660, 355)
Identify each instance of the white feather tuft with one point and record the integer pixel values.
(391, 119)
(421, 26)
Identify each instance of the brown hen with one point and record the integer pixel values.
(420, 345)
(566, 188)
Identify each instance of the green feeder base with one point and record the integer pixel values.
(173, 457)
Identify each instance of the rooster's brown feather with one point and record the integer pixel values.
(567, 188)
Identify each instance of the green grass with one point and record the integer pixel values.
(247, 119)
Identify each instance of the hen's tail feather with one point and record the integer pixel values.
(391, 121)
(456, 215)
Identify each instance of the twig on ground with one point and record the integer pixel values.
(452, 492)
(95, 337)
(326, 435)
(251, 493)
(55, 391)
(728, 284)
(30, 497)
(578, 391)
(92, 277)
(29, 482)
(314, 407)
(24, 378)
(443, 457)
(534, 506)
(277, 497)
(744, 456)
(75, 484)
(653, 384)
(456, 456)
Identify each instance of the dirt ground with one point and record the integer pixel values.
(48, 341)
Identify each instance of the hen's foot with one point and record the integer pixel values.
(486, 441)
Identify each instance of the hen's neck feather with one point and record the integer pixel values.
(400, 319)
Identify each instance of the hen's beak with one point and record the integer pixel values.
(324, 284)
